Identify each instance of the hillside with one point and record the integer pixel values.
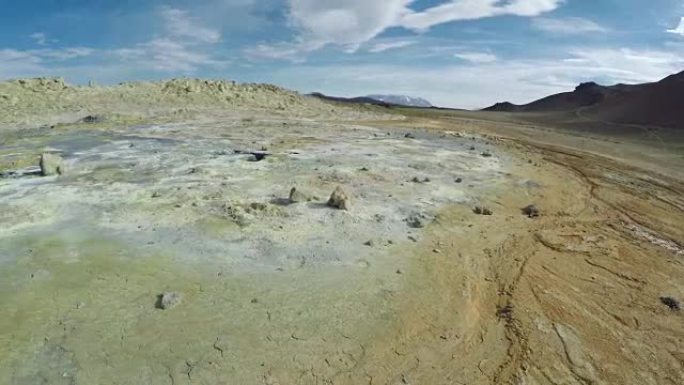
(653, 104)
(44, 101)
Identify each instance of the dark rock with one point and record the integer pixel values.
(670, 302)
(416, 220)
(531, 211)
(482, 210)
(92, 119)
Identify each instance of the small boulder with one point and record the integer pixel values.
(51, 164)
(92, 119)
(531, 211)
(339, 199)
(482, 210)
(168, 300)
(297, 196)
(671, 303)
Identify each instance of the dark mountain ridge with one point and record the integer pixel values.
(658, 104)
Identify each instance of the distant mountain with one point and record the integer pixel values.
(357, 100)
(402, 100)
(651, 104)
(378, 100)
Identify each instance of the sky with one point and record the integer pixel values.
(455, 53)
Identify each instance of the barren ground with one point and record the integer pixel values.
(293, 293)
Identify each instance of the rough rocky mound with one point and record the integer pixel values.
(652, 104)
(29, 102)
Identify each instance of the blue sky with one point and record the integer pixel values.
(457, 53)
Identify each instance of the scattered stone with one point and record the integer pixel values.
(257, 206)
(505, 313)
(297, 196)
(92, 119)
(399, 271)
(364, 169)
(409, 136)
(482, 210)
(436, 251)
(369, 243)
(259, 156)
(168, 300)
(51, 164)
(531, 211)
(254, 300)
(459, 180)
(670, 302)
(472, 148)
(486, 154)
(416, 220)
(418, 180)
(412, 238)
(156, 194)
(339, 199)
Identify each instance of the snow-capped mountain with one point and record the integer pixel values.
(402, 100)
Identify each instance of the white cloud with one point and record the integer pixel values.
(293, 52)
(475, 9)
(679, 30)
(345, 22)
(64, 53)
(350, 23)
(163, 54)
(184, 46)
(476, 57)
(20, 63)
(568, 26)
(182, 49)
(39, 38)
(385, 46)
(627, 65)
(180, 25)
